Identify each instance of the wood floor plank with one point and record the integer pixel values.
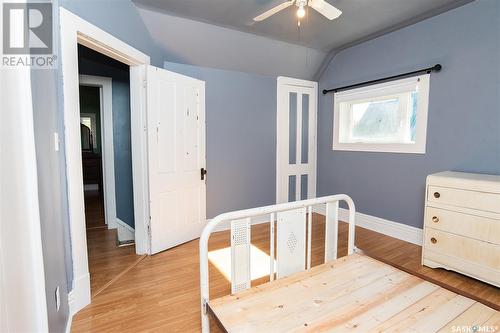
(107, 261)
(477, 315)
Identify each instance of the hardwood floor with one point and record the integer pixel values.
(161, 293)
(107, 261)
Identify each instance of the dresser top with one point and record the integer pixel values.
(463, 180)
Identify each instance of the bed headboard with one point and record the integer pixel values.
(291, 225)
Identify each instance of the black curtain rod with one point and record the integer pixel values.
(435, 68)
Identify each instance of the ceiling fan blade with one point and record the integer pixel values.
(273, 11)
(325, 9)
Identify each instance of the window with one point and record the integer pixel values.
(385, 117)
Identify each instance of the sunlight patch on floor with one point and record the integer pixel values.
(259, 262)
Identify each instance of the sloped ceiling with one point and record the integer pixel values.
(202, 44)
(221, 33)
(360, 18)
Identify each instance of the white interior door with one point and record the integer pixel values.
(296, 139)
(176, 145)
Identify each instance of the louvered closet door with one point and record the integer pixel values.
(296, 140)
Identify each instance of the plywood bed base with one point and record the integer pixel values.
(352, 294)
(355, 293)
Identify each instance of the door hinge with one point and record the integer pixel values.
(203, 173)
(144, 83)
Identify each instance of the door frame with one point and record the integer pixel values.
(105, 85)
(282, 102)
(73, 31)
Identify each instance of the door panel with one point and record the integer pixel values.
(176, 141)
(190, 128)
(296, 140)
(164, 97)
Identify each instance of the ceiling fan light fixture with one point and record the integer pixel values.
(301, 12)
(321, 6)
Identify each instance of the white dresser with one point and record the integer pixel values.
(462, 224)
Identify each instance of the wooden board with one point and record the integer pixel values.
(352, 294)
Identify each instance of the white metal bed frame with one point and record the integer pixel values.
(288, 213)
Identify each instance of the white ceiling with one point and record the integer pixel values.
(361, 19)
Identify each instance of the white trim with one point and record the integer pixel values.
(125, 232)
(392, 88)
(74, 31)
(390, 228)
(105, 85)
(22, 275)
(77, 297)
(283, 168)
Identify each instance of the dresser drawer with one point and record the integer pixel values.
(479, 228)
(464, 198)
(467, 249)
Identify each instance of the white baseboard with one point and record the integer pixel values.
(125, 232)
(79, 297)
(255, 220)
(390, 228)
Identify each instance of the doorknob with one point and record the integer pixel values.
(203, 173)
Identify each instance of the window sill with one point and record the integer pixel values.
(399, 148)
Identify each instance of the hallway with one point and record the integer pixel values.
(107, 261)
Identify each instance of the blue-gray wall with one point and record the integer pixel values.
(94, 63)
(240, 137)
(51, 196)
(121, 19)
(463, 131)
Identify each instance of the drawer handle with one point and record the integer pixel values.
(435, 219)
(436, 195)
(434, 240)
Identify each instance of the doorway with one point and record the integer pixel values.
(153, 137)
(73, 31)
(296, 139)
(105, 130)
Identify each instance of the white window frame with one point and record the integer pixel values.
(383, 90)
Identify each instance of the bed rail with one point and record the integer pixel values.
(293, 241)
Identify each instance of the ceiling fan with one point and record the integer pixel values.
(321, 6)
